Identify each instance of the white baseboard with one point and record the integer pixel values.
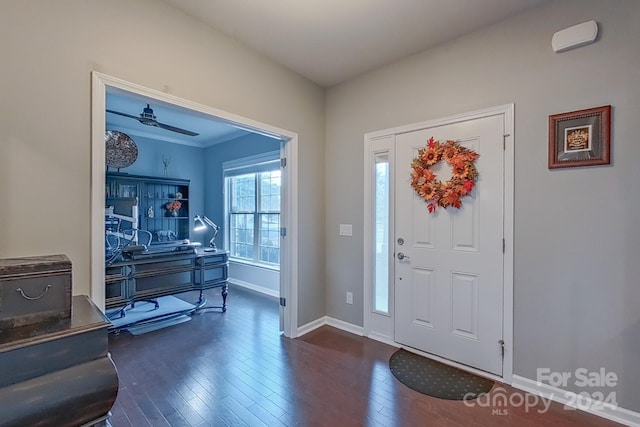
(383, 339)
(254, 287)
(345, 326)
(329, 321)
(315, 324)
(584, 403)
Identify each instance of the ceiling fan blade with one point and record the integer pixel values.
(123, 114)
(147, 118)
(175, 129)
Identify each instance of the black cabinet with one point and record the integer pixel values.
(161, 205)
(58, 373)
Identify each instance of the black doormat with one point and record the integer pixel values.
(436, 379)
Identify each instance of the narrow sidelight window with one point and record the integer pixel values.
(381, 234)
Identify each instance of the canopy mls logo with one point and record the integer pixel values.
(501, 401)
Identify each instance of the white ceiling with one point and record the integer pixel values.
(211, 130)
(327, 41)
(330, 41)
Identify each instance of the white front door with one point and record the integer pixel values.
(449, 286)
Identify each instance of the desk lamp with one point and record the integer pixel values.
(200, 224)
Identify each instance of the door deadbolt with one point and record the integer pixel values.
(400, 241)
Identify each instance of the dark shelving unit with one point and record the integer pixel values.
(153, 194)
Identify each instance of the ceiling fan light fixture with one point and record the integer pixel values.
(147, 113)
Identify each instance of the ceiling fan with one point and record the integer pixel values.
(148, 118)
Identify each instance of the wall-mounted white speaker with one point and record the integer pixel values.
(575, 36)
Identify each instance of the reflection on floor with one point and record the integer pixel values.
(166, 312)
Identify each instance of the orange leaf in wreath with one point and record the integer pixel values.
(471, 156)
(428, 175)
(431, 142)
(432, 207)
(416, 173)
(468, 185)
(452, 199)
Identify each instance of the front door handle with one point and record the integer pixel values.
(402, 256)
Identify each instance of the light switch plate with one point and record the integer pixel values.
(346, 230)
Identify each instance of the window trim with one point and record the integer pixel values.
(255, 164)
(249, 164)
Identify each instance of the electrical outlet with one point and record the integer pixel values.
(349, 297)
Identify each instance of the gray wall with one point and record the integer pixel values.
(48, 52)
(577, 298)
(260, 279)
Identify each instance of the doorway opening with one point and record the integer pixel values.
(104, 87)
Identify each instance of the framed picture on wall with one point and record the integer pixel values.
(580, 138)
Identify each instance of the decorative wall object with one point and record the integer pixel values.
(121, 150)
(166, 161)
(580, 138)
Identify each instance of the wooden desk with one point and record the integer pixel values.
(152, 274)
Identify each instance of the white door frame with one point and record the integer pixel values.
(289, 255)
(507, 111)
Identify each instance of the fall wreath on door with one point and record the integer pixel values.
(463, 174)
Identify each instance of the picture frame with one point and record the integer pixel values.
(580, 138)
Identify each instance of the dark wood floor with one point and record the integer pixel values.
(235, 369)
